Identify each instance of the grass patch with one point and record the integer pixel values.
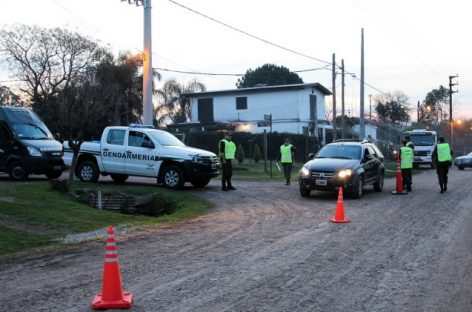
(33, 215)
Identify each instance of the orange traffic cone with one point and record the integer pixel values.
(112, 295)
(399, 189)
(339, 215)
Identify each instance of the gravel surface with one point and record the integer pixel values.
(265, 248)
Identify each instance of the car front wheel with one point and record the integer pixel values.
(357, 188)
(304, 192)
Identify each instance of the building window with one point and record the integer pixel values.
(241, 102)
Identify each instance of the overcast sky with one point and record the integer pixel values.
(411, 46)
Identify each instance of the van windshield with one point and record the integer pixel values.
(29, 132)
(26, 125)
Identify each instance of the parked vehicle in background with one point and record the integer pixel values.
(424, 141)
(27, 146)
(463, 161)
(347, 163)
(146, 152)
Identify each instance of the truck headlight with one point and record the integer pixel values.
(198, 159)
(33, 151)
(345, 173)
(304, 172)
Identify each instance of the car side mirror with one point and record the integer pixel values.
(147, 144)
(311, 156)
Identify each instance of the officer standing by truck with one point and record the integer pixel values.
(227, 151)
(442, 156)
(406, 163)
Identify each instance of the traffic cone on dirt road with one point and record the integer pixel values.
(339, 214)
(399, 190)
(112, 295)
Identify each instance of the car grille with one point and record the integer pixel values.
(322, 174)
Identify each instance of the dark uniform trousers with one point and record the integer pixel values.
(227, 174)
(442, 169)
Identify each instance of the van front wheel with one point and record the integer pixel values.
(17, 171)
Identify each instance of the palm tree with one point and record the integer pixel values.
(173, 106)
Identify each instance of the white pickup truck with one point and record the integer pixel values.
(146, 152)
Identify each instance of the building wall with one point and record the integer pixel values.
(290, 110)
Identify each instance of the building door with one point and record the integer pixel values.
(205, 110)
(313, 115)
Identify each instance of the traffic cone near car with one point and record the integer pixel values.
(112, 295)
(399, 189)
(339, 214)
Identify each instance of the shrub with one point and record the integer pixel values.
(240, 155)
(257, 153)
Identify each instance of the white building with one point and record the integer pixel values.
(296, 108)
(370, 130)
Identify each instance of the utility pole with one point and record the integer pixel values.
(451, 120)
(418, 113)
(148, 111)
(370, 106)
(342, 99)
(334, 96)
(361, 112)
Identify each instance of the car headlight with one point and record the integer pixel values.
(33, 151)
(304, 172)
(197, 159)
(345, 173)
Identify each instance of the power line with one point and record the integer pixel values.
(248, 34)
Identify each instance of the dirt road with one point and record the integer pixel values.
(264, 248)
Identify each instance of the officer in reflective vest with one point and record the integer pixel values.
(442, 156)
(406, 163)
(286, 158)
(227, 151)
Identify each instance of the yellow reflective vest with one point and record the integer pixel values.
(406, 158)
(286, 152)
(444, 152)
(230, 149)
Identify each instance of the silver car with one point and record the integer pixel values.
(463, 161)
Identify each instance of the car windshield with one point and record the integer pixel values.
(165, 138)
(340, 151)
(426, 139)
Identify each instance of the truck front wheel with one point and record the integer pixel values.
(88, 171)
(17, 171)
(173, 177)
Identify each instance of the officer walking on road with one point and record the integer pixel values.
(227, 151)
(287, 151)
(442, 156)
(406, 163)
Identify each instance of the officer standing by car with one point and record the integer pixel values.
(227, 151)
(406, 163)
(442, 156)
(287, 151)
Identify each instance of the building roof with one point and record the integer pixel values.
(263, 89)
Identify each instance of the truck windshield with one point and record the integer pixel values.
(165, 138)
(423, 139)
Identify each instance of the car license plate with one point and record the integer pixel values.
(322, 182)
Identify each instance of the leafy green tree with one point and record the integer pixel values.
(257, 153)
(392, 108)
(268, 74)
(435, 106)
(173, 105)
(240, 155)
